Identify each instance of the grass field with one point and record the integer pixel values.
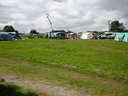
(95, 67)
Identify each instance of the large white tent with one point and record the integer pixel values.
(86, 35)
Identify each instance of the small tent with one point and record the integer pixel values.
(121, 37)
(86, 35)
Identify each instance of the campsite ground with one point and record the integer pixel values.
(97, 68)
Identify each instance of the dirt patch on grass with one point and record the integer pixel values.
(37, 84)
(43, 87)
(57, 81)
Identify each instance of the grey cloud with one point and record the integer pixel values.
(121, 6)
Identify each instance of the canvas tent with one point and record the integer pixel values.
(7, 36)
(86, 35)
(121, 37)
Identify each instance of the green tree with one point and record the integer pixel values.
(8, 28)
(116, 26)
(33, 31)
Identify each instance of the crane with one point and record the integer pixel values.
(50, 22)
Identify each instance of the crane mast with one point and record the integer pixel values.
(50, 22)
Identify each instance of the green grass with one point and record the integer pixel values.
(97, 67)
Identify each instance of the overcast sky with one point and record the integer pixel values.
(75, 15)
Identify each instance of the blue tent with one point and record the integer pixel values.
(126, 37)
(59, 34)
(121, 37)
(6, 36)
